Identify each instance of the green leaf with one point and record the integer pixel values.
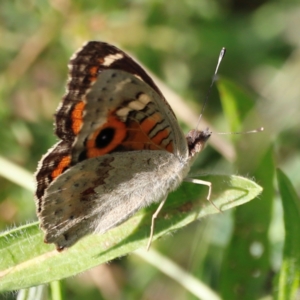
(288, 280)
(27, 261)
(246, 264)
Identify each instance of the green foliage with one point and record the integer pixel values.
(288, 280)
(247, 261)
(242, 253)
(23, 251)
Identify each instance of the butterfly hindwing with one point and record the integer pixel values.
(100, 193)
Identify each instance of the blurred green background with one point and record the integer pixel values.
(179, 42)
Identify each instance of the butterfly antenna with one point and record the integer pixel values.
(222, 54)
(260, 129)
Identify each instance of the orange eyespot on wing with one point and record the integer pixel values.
(149, 133)
(108, 137)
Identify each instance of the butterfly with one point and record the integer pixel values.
(120, 148)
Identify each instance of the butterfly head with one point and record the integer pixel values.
(196, 140)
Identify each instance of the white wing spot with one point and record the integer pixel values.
(109, 59)
(138, 77)
(137, 105)
(123, 112)
(145, 99)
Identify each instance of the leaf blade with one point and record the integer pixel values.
(289, 276)
(33, 262)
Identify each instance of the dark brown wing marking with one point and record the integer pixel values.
(84, 68)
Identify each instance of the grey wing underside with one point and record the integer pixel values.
(102, 192)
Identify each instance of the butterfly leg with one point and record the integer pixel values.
(154, 216)
(207, 183)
